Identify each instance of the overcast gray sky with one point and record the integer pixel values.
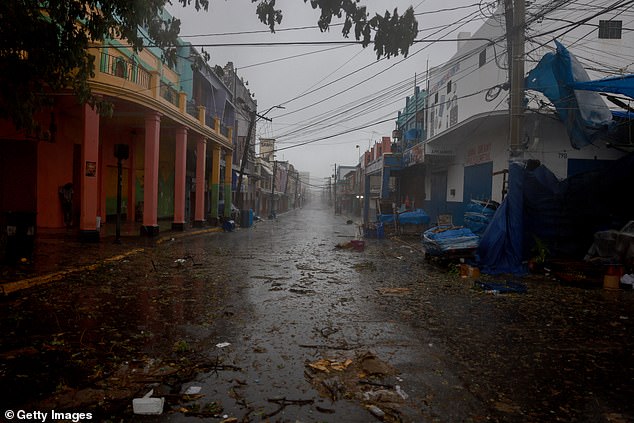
(329, 90)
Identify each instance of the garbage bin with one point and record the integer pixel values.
(19, 231)
(247, 218)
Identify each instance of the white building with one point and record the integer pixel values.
(466, 152)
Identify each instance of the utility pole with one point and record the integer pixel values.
(515, 13)
(273, 189)
(253, 118)
(245, 155)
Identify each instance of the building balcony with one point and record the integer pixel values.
(136, 83)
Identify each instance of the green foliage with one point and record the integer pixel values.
(181, 347)
(453, 269)
(540, 250)
(393, 34)
(44, 48)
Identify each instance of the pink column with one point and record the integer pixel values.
(201, 152)
(132, 181)
(89, 177)
(180, 167)
(150, 179)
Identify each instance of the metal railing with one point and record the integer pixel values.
(123, 68)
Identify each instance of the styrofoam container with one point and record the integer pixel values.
(152, 406)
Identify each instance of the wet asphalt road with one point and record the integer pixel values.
(306, 300)
(422, 344)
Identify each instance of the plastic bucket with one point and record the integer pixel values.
(358, 244)
(611, 282)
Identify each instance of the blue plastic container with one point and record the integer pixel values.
(380, 232)
(247, 218)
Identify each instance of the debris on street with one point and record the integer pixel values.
(364, 377)
(148, 405)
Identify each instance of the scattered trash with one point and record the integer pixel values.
(467, 271)
(358, 244)
(193, 390)
(401, 392)
(147, 405)
(376, 411)
(381, 395)
(223, 344)
(627, 281)
(326, 365)
(229, 225)
(344, 245)
(501, 288)
(371, 365)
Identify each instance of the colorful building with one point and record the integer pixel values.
(168, 139)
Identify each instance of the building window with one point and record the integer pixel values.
(483, 57)
(448, 87)
(610, 30)
(436, 98)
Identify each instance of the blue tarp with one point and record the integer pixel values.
(478, 214)
(585, 114)
(447, 238)
(500, 249)
(415, 217)
(623, 84)
(563, 214)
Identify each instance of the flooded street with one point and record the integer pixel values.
(286, 322)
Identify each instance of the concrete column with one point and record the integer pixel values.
(180, 167)
(89, 195)
(385, 183)
(201, 152)
(215, 180)
(182, 102)
(132, 181)
(228, 177)
(150, 175)
(155, 84)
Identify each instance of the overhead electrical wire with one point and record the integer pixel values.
(345, 76)
(300, 144)
(431, 41)
(620, 4)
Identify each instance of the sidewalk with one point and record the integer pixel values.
(59, 252)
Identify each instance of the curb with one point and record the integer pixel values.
(14, 286)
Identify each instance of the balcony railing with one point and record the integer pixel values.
(209, 121)
(123, 68)
(224, 130)
(192, 109)
(169, 93)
